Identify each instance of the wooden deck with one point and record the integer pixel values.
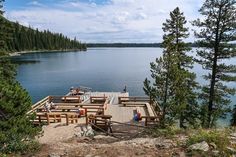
(120, 106)
(123, 114)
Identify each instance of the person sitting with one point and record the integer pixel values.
(53, 106)
(47, 107)
(78, 112)
(137, 115)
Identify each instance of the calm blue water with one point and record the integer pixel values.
(102, 69)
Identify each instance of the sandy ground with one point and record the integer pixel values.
(106, 146)
(57, 132)
(61, 141)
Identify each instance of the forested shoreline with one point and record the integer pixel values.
(16, 38)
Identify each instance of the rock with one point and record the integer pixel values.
(232, 138)
(202, 146)
(232, 142)
(216, 152)
(182, 154)
(85, 132)
(233, 134)
(165, 144)
(178, 154)
(53, 155)
(212, 145)
(83, 139)
(182, 139)
(232, 150)
(98, 137)
(89, 132)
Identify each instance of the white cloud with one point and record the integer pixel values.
(35, 3)
(117, 21)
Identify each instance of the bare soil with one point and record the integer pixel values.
(127, 142)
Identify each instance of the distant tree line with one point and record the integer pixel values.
(131, 44)
(123, 44)
(15, 37)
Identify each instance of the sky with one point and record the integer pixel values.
(102, 21)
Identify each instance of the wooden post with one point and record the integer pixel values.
(48, 120)
(146, 121)
(86, 116)
(39, 118)
(67, 119)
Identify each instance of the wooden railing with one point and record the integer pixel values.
(95, 99)
(39, 104)
(153, 115)
(61, 99)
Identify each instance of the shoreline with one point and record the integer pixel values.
(35, 51)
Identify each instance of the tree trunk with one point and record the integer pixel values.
(214, 68)
(165, 99)
(212, 93)
(181, 121)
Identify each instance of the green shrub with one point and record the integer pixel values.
(218, 137)
(168, 132)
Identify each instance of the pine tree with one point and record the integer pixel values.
(217, 30)
(173, 84)
(159, 91)
(1, 7)
(2, 35)
(16, 129)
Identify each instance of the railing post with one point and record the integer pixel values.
(67, 119)
(48, 120)
(86, 116)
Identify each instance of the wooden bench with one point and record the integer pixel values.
(150, 119)
(98, 99)
(77, 105)
(72, 118)
(152, 116)
(133, 99)
(74, 109)
(55, 117)
(99, 122)
(40, 117)
(123, 99)
(150, 110)
(133, 104)
(74, 99)
(95, 110)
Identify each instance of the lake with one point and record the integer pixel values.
(102, 69)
